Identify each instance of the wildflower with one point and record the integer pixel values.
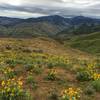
(11, 87)
(71, 93)
(3, 83)
(20, 83)
(96, 76)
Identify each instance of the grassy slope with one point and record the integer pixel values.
(89, 43)
(25, 50)
(47, 45)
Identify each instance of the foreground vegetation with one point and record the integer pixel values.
(32, 74)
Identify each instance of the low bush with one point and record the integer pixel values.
(30, 80)
(96, 85)
(83, 76)
(52, 75)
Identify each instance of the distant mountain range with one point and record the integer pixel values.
(54, 26)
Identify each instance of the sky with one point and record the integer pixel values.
(37, 8)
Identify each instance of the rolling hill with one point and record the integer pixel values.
(89, 43)
(31, 27)
(56, 27)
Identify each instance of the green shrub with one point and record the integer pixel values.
(50, 65)
(30, 80)
(11, 74)
(12, 63)
(83, 76)
(51, 75)
(96, 85)
(37, 70)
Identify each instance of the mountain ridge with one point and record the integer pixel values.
(51, 18)
(45, 26)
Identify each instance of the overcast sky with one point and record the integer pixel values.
(36, 8)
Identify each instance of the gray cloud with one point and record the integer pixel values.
(35, 8)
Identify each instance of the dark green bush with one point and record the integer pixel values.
(30, 80)
(12, 63)
(83, 76)
(50, 65)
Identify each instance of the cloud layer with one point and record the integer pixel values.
(36, 8)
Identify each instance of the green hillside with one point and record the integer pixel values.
(89, 43)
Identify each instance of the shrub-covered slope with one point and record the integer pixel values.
(89, 43)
